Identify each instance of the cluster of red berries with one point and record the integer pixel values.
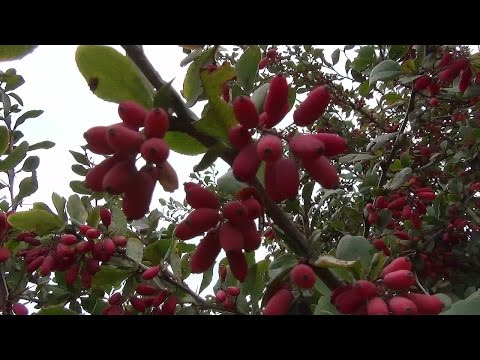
(147, 298)
(226, 296)
(313, 150)
(390, 296)
(233, 229)
(270, 57)
(117, 174)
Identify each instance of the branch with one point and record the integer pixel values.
(168, 277)
(183, 123)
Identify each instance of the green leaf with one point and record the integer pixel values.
(79, 187)
(247, 67)
(76, 210)
(395, 52)
(324, 307)
(27, 115)
(364, 89)
(113, 76)
(56, 310)
(258, 96)
(399, 179)
(353, 248)
(471, 92)
(59, 202)
(109, 277)
(40, 222)
(119, 222)
(176, 264)
(408, 79)
(384, 218)
(322, 288)
(380, 141)
(207, 160)
(31, 163)
(6, 105)
(15, 157)
(219, 117)
(281, 265)
(356, 157)
(163, 97)
(228, 184)
(80, 158)
(41, 145)
(376, 265)
(386, 70)
(335, 56)
(4, 139)
(183, 247)
(15, 52)
(79, 170)
(469, 306)
(135, 249)
(93, 218)
(183, 144)
(27, 187)
(255, 282)
(14, 81)
(192, 84)
(156, 252)
(396, 166)
(327, 261)
(206, 278)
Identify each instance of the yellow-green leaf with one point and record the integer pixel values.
(15, 52)
(40, 222)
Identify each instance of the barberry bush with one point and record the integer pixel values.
(353, 188)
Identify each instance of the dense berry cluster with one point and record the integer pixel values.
(118, 174)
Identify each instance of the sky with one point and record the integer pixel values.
(54, 84)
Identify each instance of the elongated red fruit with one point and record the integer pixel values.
(92, 265)
(199, 197)
(199, 221)
(416, 221)
(238, 264)
(271, 182)
(156, 123)
(465, 79)
(397, 203)
(303, 276)
(263, 63)
(277, 95)
(83, 247)
(119, 178)
(136, 201)
(269, 148)
(231, 238)
(349, 301)
(205, 253)
(306, 146)
(220, 296)
(4, 254)
(155, 150)
(245, 111)
(35, 264)
(251, 236)
(93, 234)
(150, 273)
(124, 140)
(422, 83)
(426, 195)
(160, 298)
(322, 171)
(115, 299)
(246, 163)
(145, 289)
(377, 306)
(381, 202)
(239, 136)
(279, 303)
(339, 290)
(19, 309)
(235, 212)
(109, 246)
(366, 288)
(380, 245)
(268, 120)
(72, 273)
(132, 113)
(399, 280)
(168, 307)
(97, 140)
(120, 240)
(233, 290)
(105, 216)
(47, 265)
(288, 180)
(138, 304)
(426, 304)
(399, 305)
(312, 107)
(334, 144)
(254, 208)
(446, 59)
(401, 263)
(68, 239)
(94, 177)
(86, 279)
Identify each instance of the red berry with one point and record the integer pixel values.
(446, 59)
(263, 63)
(254, 209)
(136, 201)
(349, 301)
(233, 290)
(86, 280)
(231, 238)
(251, 236)
(132, 113)
(94, 177)
(115, 299)
(402, 235)
(322, 171)
(47, 265)
(238, 264)
(198, 221)
(246, 163)
(334, 144)
(169, 306)
(303, 276)
(235, 212)
(288, 179)
(277, 95)
(150, 273)
(269, 148)
(398, 203)
(312, 107)
(4, 254)
(19, 309)
(145, 289)
(205, 253)
(83, 247)
(120, 241)
(306, 146)
(377, 306)
(372, 218)
(399, 280)
(97, 140)
(380, 245)
(199, 197)
(93, 234)
(156, 123)
(72, 273)
(399, 305)
(246, 112)
(124, 140)
(422, 83)
(279, 303)
(68, 239)
(339, 290)
(272, 53)
(92, 266)
(433, 102)
(220, 296)
(155, 150)
(365, 288)
(465, 79)
(239, 137)
(138, 304)
(271, 185)
(401, 263)
(105, 216)
(381, 202)
(426, 304)
(35, 264)
(222, 272)
(426, 195)
(160, 298)
(269, 120)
